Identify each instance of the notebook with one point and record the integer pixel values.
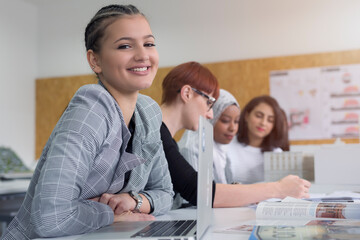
(194, 229)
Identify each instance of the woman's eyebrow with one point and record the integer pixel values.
(149, 36)
(123, 38)
(131, 39)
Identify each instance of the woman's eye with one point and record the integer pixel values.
(149, 45)
(124, 46)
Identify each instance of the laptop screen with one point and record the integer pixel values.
(205, 176)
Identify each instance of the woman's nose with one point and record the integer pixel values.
(210, 114)
(141, 54)
(232, 126)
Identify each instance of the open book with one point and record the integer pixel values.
(308, 210)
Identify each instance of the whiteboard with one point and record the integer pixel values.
(320, 103)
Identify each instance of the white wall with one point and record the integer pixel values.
(205, 30)
(18, 65)
(200, 30)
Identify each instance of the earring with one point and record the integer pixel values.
(93, 68)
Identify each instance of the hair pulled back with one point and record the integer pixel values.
(103, 18)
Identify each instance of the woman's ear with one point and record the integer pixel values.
(93, 61)
(185, 93)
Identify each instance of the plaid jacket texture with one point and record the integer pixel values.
(85, 157)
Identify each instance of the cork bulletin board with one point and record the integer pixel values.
(245, 79)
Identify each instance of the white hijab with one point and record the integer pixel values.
(188, 144)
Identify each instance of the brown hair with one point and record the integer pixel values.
(190, 73)
(95, 29)
(285, 145)
(276, 136)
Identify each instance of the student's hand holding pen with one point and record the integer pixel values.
(293, 186)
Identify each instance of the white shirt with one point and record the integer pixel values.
(219, 154)
(188, 147)
(246, 163)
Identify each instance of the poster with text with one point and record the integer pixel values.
(320, 103)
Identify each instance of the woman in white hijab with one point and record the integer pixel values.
(226, 115)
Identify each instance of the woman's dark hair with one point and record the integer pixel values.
(276, 136)
(95, 29)
(285, 145)
(190, 73)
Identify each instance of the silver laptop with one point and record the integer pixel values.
(174, 229)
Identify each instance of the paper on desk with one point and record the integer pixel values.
(339, 196)
(292, 199)
(247, 226)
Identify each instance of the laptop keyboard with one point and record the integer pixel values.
(166, 228)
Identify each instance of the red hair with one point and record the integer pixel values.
(190, 73)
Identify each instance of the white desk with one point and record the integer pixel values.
(222, 218)
(14, 186)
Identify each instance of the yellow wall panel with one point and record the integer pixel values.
(245, 79)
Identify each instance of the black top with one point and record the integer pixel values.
(183, 175)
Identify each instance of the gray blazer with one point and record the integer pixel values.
(85, 157)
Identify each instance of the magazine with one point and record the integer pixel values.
(315, 229)
(308, 210)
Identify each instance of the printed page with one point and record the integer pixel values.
(308, 210)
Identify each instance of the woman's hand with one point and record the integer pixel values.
(122, 204)
(119, 203)
(293, 186)
(130, 217)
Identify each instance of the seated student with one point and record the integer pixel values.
(225, 121)
(261, 128)
(189, 90)
(105, 154)
(226, 111)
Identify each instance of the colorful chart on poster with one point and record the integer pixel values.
(320, 103)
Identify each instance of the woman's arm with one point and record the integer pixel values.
(158, 190)
(237, 195)
(183, 175)
(57, 207)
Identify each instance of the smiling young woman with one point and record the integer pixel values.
(92, 171)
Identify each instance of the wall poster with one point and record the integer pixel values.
(320, 103)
